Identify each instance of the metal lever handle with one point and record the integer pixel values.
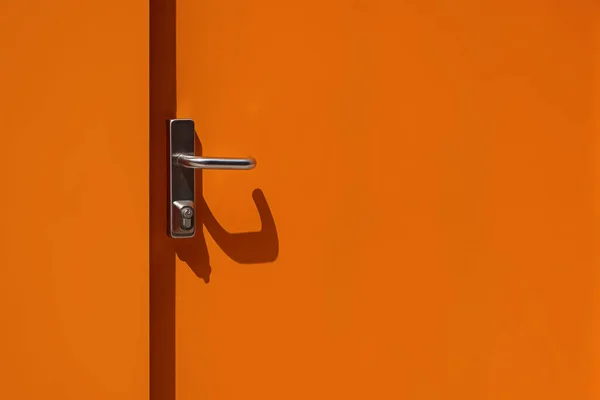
(182, 181)
(191, 161)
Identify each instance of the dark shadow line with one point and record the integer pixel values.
(163, 105)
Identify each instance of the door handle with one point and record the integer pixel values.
(191, 161)
(182, 182)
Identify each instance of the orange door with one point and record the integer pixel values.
(420, 222)
(74, 226)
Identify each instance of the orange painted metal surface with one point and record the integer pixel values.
(74, 226)
(428, 167)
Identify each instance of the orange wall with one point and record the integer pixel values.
(74, 173)
(429, 166)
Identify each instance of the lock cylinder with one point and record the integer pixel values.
(187, 213)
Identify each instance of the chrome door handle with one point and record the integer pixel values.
(191, 161)
(182, 182)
